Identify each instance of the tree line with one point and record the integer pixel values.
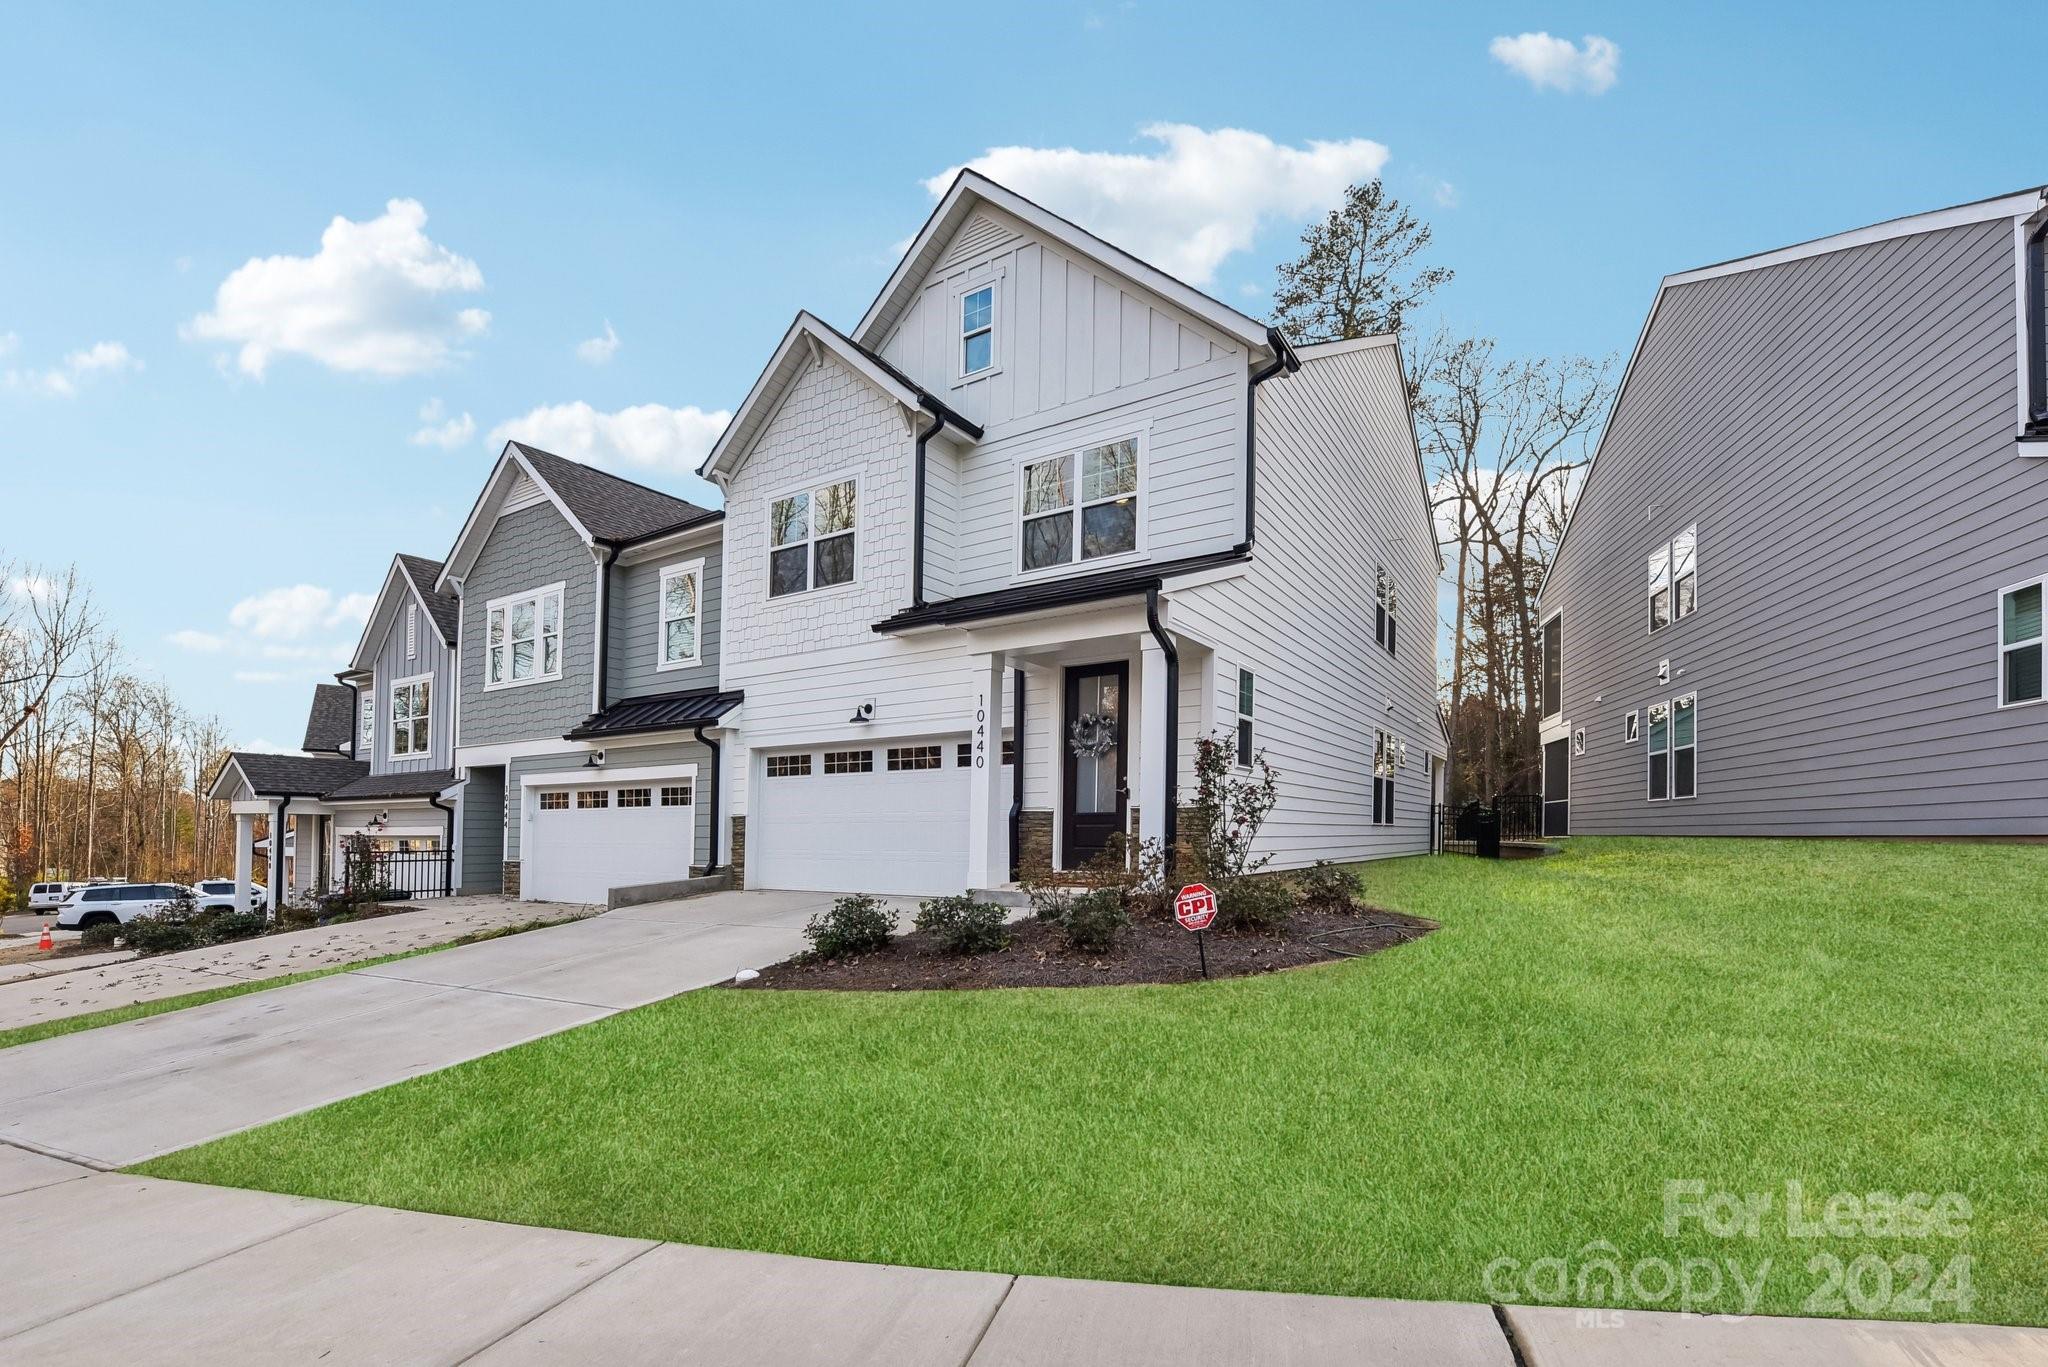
(102, 770)
(1505, 440)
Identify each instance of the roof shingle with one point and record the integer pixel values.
(610, 508)
(331, 724)
(444, 608)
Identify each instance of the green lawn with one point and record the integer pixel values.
(1851, 1016)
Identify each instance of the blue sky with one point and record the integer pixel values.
(197, 433)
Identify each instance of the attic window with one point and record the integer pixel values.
(977, 331)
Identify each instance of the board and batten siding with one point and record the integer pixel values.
(572, 769)
(483, 830)
(1339, 495)
(528, 549)
(432, 658)
(1840, 430)
(635, 637)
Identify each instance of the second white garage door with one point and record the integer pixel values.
(584, 840)
(887, 819)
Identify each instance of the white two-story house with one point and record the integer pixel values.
(999, 556)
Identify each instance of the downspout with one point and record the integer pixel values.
(917, 510)
(447, 847)
(1171, 796)
(1283, 359)
(711, 865)
(604, 622)
(1016, 769)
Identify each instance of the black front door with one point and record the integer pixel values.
(1097, 779)
(1557, 788)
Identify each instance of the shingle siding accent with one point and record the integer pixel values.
(1840, 429)
(528, 549)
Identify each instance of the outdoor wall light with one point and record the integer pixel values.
(594, 760)
(864, 712)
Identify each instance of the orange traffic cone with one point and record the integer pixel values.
(46, 943)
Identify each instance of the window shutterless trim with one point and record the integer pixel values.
(693, 570)
(993, 284)
(2006, 647)
(392, 751)
(1076, 451)
(1247, 700)
(1652, 790)
(1691, 747)
(810, 489)
(559, 590)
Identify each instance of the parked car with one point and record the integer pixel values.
(118, 903)
(49, 896)
(218, 894)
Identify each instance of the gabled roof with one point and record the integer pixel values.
(1126, 582)
(2019, 205)
(418, 783)
(410, 580)
(331, 724)
(444, 608)
(970, 188)
(1322, 351)
(806, 332)
(271, 775)
(658, 712)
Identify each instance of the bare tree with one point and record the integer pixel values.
(1355, 275)
(44, 622)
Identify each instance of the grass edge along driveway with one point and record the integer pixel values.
(1521, 1085)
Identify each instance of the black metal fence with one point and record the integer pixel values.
(1479, 828)
(405, 873)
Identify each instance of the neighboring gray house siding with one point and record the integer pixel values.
(432, 658)
(483, 830)
(635, 631)
(1841, 429)
(528, 549)
(620, 757)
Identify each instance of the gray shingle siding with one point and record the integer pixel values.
(483, 830)
(528, 549)
(619, 757)
(1841, 430)
(636, 618)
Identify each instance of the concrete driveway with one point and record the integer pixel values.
(122, 1093)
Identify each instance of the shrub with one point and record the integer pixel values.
(1255, 903)
(963, 925)
(219, 927)
(164, 932)
(854, 925)
(1094, 918)
(304, 916)
(1326, 887)
(101, 935)
(1137, 870)
(1219, 826)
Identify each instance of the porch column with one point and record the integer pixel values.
(245, 860)
(988, 800)
(1148, 794)
(280, 889)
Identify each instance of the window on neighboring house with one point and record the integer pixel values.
(1245, 689)
(1632, 732)
(676, 795)
(523, 638)
(1060, 528)
(913, 757)
(410, 705)
(789, 766)
(977, 330)
(554, 802)
(2020, 644)
(369, 727)
(1553, 666)
(1383, 755)
(593, 799)
(1674, 579)
(1685, 725)
(811, 538)
(412, 631)
(1660, 751)
(636, 797)
(849, 761)
(1384, 606)
(680, 596)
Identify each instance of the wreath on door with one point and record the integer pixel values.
(1091, 735)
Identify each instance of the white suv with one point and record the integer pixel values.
(218, 894)
(117, 903)
(49, 896)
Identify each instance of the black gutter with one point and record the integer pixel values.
(1172, 785)
(1283, 359)
(604, 622)
(447, 847)
(2037, 332)
(1016, 768)
(941, 415)
(712, 865)
(355, 717)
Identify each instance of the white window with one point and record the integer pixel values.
(1632, 733)
(523, 638)
(1579, 741)
(1383, 753)
(977, 331)
(1246, 688)
(1674, 579)
(1685, 727)
(2020, 643)
(369, 726)
(811, 537)
(1064, 522)
(410, 705)
(1660, 751)
(681, 600)
(412, 631)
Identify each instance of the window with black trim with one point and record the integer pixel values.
(1685, 734)
(789, 766)
(811, 538)
(1245, 690)
(1553, 666)
(1383, 757)
(905, 757)
(849, 761)
(1674, 579)
(1660, 751)
(2020, 643)
(1632, 732)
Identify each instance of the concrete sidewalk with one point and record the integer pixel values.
(121, 1093)
(51, 989)
(130, 1269)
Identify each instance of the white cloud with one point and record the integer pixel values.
(1549, 63)
(598, 350)
(260, 746)
(297, 611)
(646, 438)
(10, 342)
(264, 676)
(1445, 194)
(1204, 195)
(79, 368)
(35, 586)
(203, 642)
(441, 430)
(375, 300)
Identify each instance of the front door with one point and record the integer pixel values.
(1557, 787)
(1097, 779)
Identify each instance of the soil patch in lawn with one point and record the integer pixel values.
(1150, 950)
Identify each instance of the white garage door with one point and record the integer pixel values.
(584, 839)
(881, 818)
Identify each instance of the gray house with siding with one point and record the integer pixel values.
(589, 715)
(1801, 590)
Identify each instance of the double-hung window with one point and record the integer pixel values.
(977, 331)
(1660, 751)
(1685, 731)
(1674, 579)
(1246, 687)
(2020, 643)
(681, 601)
(1384, 625)
(811, 537)
(1383, 759)
(523, 638)
(410, 703)
(1553, 666)
(1065, 522)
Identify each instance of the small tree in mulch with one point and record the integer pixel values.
(963, 925)
(859, 924)
(1219, 829)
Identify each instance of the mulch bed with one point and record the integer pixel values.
(1152, 950)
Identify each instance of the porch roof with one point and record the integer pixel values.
(420, 783)
(659, 712)
(270, 775)
(1128, 581)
